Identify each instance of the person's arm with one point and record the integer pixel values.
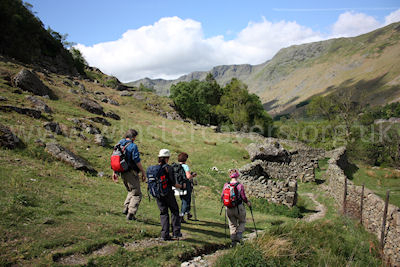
(243, 195)
(189, 175)
(115, 177)
(136, 159)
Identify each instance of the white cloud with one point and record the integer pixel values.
(393, 17)
(172, 46)
(353, 24)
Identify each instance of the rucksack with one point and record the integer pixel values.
(179, 173)
(118, 161)
(157, 180)
(230, 196)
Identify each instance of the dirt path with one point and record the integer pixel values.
(320, 209)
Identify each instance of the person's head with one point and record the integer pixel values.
(233, 173)
(131, 134)
(182, 157)
(163, 156)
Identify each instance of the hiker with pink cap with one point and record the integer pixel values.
(233, 196)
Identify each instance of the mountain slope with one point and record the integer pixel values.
(369, 64)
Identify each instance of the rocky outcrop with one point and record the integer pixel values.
(372, 216)
(8, 139)
(25, 111)
(110, 101)
(39, 104)
(28, 81)
(100, 120)
(100, 140)
(92, 106)
(53, 127)
(113, 115)
(269, 151)
(63, 154)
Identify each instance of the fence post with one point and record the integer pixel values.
(384, 219)
(362, 204)
(345, 195)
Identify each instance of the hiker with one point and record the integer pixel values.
(168, 201)
(233, 196)
(131, 177)
(187, 179)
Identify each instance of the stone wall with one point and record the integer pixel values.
(372, 216)
(258, 184)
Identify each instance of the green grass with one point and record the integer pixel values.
(48, 210)
(379, 180)
(337, 242)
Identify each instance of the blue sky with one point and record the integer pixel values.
(164, 39)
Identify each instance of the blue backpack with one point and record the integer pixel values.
(157, 180)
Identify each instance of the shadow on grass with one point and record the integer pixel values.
(349, 170)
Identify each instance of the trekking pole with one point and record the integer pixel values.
(225, 224)
(194, 204)
(255, 228)
(221, 210)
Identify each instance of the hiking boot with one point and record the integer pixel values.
(167, 238)
(130, 217)
(125, 211)
(177, 236)
(189, 216)
(182, 219)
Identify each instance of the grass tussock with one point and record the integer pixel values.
(337, 242)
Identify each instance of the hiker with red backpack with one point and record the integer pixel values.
(125, 160)
(160, 179)
(233, 196)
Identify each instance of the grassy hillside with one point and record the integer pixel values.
(54, 215)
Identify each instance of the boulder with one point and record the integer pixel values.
(90, 129)
(113, 115)
(63, 154)
(269, 151)
(100, 140)
(26, 111)
(8, 139)
(100, 120)
(125, 93)
(110, 101)
(92, 106)
(3, 98)
(39, 104)
(53, 127)
(28, 81)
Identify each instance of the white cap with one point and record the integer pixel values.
(164, 153)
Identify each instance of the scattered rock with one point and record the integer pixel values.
(100, 120)
(53, 127)
(214, 169)
(39, 142)
(82, 88)
(67, 83)
(110, 101)
(139, 96)
(73, 91)
(269, 151)
(98, 92)
(26, 111)
(8, 139)
(100, 140)
(125, 93)
(63, 154)
(39, 104)
(3, 98)
(28, 81)
(92, 106)
(113, 115)
(90, 129)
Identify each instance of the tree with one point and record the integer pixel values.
(79, 60)
(322, 106)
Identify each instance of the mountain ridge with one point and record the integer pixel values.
(297, 73)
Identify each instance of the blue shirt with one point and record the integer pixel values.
(131, 151)
(185, 167)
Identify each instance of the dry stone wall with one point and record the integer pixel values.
(372, 216)
(274, 172)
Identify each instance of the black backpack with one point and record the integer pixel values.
(179, 173)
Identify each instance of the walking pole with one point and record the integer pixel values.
(225, 225)
(255, 228)
(194, 204)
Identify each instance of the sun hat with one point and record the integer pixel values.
(164, 153)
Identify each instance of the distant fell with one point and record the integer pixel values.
(368, 64)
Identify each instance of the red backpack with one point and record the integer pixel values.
(230, 196)
(118, 162)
